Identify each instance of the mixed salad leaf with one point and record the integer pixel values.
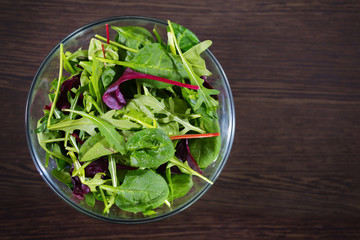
(131, 121)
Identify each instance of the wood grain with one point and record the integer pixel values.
(294, 71)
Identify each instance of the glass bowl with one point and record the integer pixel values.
(38, 97)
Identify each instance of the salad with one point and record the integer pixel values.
(132, 121)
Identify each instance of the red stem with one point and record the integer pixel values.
(103, 49)
(186, 136)
(107, 33)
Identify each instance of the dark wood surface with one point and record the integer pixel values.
(294, 69)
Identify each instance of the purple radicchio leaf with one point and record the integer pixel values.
(100, 165)
(183, 153)
(114, 99)
(79, 189)
(63, 102)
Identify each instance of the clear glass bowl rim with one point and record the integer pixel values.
(92, 214)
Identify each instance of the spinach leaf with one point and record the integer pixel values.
(107, 77)
(97, 69)
(90, 199)
(181, 185)
(171, 128)
(150, 148)
(107, 130)
(94, 147)
(141, 190)
(154, 60)
(206, 150)
(186, 38)
(133, 37)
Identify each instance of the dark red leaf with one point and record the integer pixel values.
(184, 154)
(77, 138)
(79, 189)
(114, 99)
(63, 102)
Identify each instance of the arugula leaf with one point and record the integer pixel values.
(194, 58)
(204, 94)
(159, 107)
(62, 176)
(72, 59)
(184, 167)
(107, 130)
(70, 125)
(94, 147)
(96, 50)
(122, 124)
(48, 135)
(96, 181)
(85, 124)
(150, 148)
(141, 190)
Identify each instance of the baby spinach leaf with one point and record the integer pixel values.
(90, 199)
(107, 77)
(206, 150)
(186, 38)
(181, 185)
(171, 128)
(107, 130)
(94, 147)
(154, 60)
(204, 94)
(133, 37)
(141, 190)
(150, 148)
(97, 69)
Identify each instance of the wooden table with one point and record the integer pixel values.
(294, 171)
